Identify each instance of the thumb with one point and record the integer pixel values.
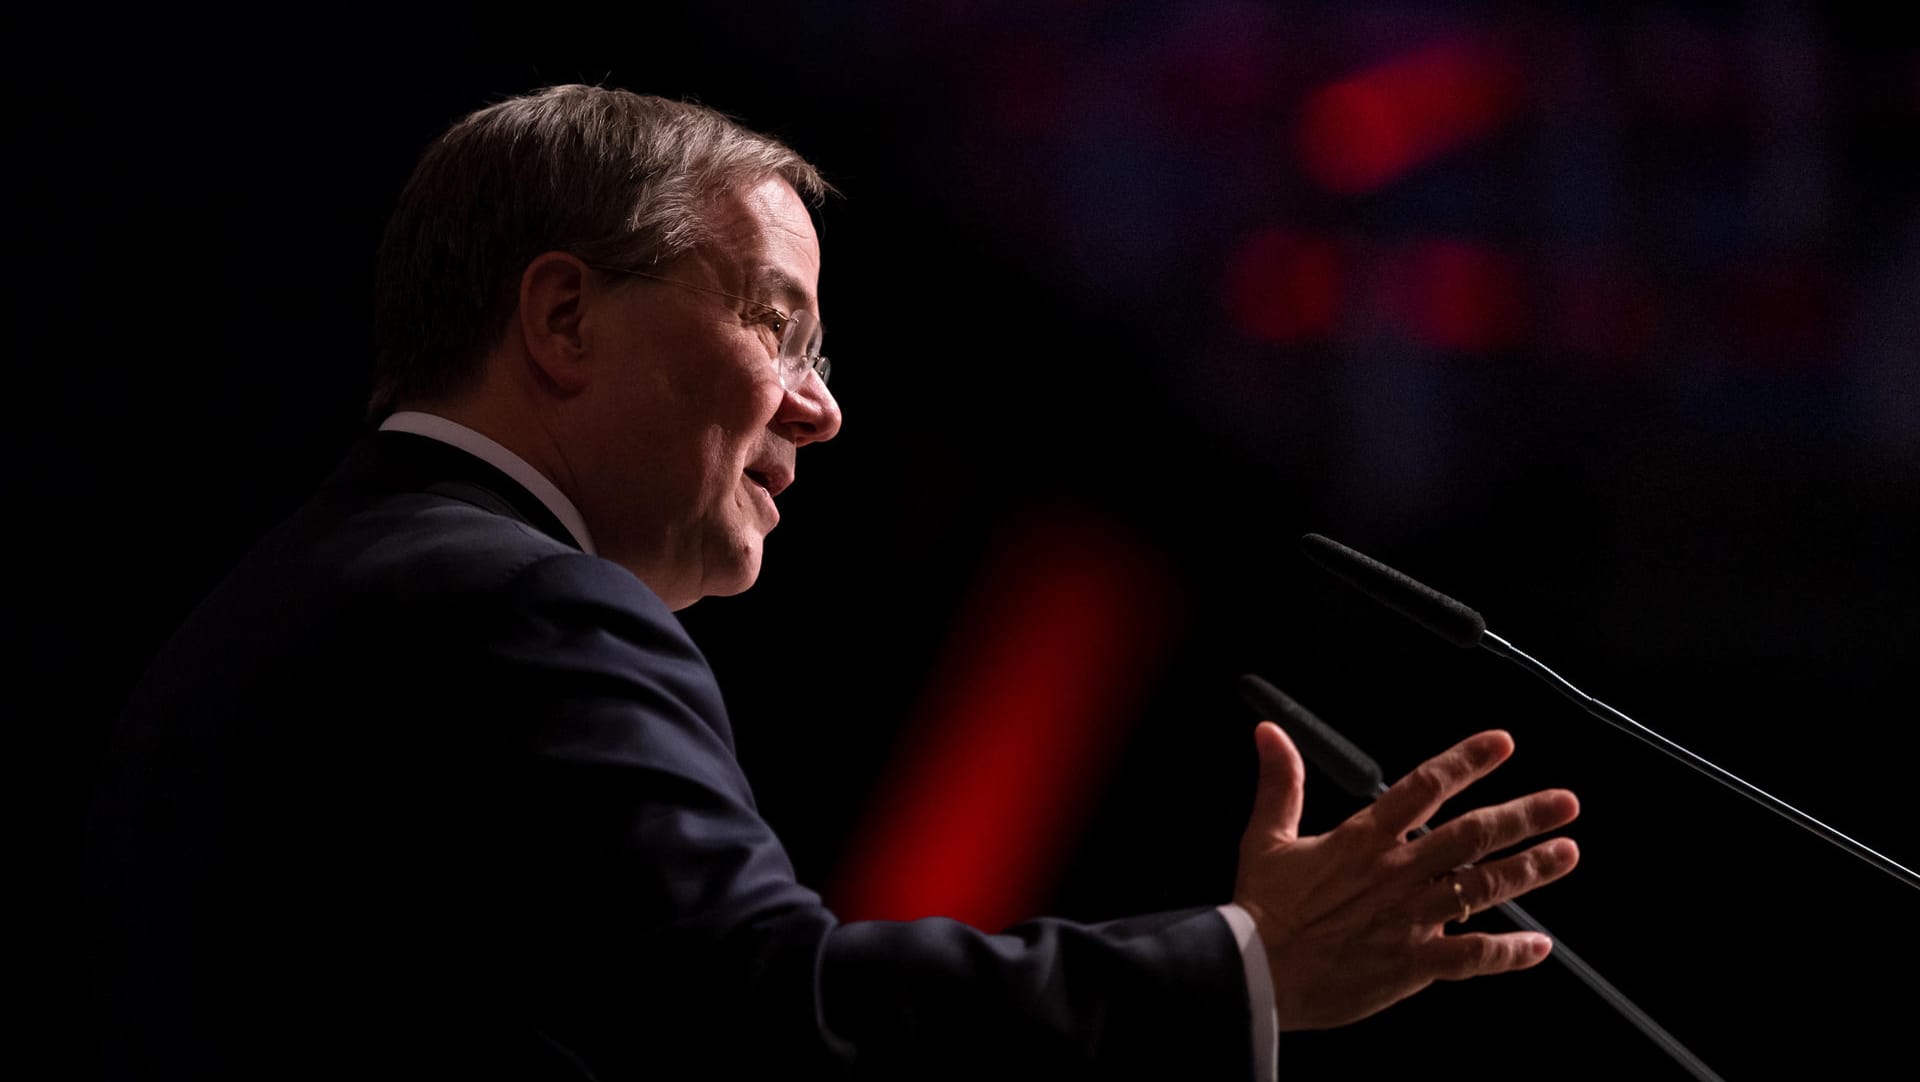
(1282, 789)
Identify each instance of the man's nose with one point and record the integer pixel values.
(808, 413)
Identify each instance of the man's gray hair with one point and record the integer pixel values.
(608, 175)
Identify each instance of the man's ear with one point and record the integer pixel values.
(552, 299)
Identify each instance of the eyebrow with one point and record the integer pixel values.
(772, 281)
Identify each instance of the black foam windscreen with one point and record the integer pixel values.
(1349, 767)
(1418, 602)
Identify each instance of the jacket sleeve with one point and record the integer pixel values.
(655, 928)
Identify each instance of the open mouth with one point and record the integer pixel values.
(772, 476)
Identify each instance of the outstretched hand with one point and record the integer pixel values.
(1353, 920)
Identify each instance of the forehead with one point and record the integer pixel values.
(764, 241)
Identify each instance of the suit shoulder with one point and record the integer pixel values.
(430, 541)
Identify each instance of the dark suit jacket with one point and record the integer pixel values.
(422, 790)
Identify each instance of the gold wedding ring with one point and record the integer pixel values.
(1460, 895)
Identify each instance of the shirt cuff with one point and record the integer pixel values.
(1253, 965)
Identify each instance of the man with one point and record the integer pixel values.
(434, 785)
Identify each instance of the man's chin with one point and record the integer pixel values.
(682, 583)
(740, 572)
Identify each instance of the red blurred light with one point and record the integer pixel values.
(1285, 287)
(1359, 134)
(1015, 736)
(1781, 316)
(1453, 294)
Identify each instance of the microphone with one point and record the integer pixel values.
(1464, 627)
(1356, 772)
(1349, 767)
(1424, 605)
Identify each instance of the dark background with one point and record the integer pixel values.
(1630, 367)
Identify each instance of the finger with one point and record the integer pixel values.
(1458, 957)
(1413, 799)
(1467, 838)
(1282, 789)
(1486, 885)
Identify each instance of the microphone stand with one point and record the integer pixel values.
(1462, 626)
(1495, 644)
(1359, 774)
(1603, 988)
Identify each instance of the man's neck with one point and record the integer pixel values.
(450, 430)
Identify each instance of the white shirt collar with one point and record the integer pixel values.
(493, 454)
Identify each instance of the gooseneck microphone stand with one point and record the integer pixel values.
(1358, 773)
(1464, 627)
